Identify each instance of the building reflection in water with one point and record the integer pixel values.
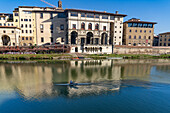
(33, 81)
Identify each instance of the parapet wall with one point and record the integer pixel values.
(141, 50)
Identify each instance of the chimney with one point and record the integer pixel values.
(117, 12)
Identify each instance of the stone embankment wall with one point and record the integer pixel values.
(141, 50)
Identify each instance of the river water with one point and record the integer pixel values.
(117, 86)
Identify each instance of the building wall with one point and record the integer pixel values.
(164, 39)
(146, 37)
(141, 50)
(13, 34)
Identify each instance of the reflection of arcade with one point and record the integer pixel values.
(36, 81)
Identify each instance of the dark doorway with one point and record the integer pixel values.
(76, 49)
(74, 35)
(5, 40)
(104, 39)
(82, 41)
(89, 38)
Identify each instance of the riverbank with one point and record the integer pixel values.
(76, 57)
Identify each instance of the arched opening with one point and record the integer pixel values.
(83, 26)
(89, 38)
(74, 35)
(90, 26)
(5, 40)
(97, 27)
(134, 44)
(104, 39)
(24, 44)
(76, 49)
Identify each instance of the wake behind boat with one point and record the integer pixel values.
(74, 84)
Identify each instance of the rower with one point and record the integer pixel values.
(71, 82)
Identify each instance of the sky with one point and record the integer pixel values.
(146, 10)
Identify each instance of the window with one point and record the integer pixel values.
(26, 31)
(83, 15)
(4, 24)
(16, 20)
(51, 27)
(130, 30)
(21, 19)
(30, 26)
(145, 31)
(0, 24)
(22, 38)
(149, 37)
(145, 25)
(52, 40)
(115, 26)
(61, 15)
(42, 39)
(141, 31)
(120, 32)
(11, 24)
(61, 27)
(164, 44)
(4, 31)
(140, 25)
(74, 26)
(96, 16)
(104, 17)
(111, 17)
(130, 37)
(97, 27)
(41, 27)
(150, 31)
(26, 38)
(90, 15)
(22, 31)
(104, 28)
(83, 26)
(4, 18)
(130, 24)
(134, 37)
(0, 18)
(90, 26)
(139, 37)
(51, 15)
(12, 31)
(165, 39)
(30, 31)
(150, 25)
(135, 25)
(26, 26)
(41, 15)
(8, 24)
(136, 31)
(26, 20)
(144, 37)
(30, 38)
(75, 14)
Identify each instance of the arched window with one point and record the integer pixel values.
(90, 26)
(83, 26)
(97, 27)
(129, 36)
(134, 37)
(139, 37)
